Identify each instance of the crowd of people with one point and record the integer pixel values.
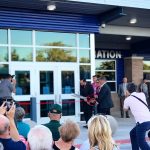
(49, 136)
(16, 134)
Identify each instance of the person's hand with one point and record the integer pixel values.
(85, 100)
(3, 109)
(14, 81)
(11, 113)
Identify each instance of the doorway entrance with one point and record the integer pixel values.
(49, 83)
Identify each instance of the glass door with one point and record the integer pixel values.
(24, 85)
(69, 84)
(56, 85)
(46, 90)
(49, 83)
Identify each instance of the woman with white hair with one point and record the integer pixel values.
(40, 138)
(100, 134)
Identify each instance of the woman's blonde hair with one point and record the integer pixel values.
(99, 133)
(69, 131)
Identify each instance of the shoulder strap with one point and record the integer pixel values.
(141, 101)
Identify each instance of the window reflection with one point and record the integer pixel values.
(4, 54)
(3, 36)
(3, 70)
(105, 65)
(67, 78)
(109, 75)
(21, 54)
(84, 40)
(146, 65)
(84, 56)
(23, 82)
(21, 37)
(85, 71)
(56, 39)
(56, 55)
(26, 106)
(46, 82)
(45, 107)
(68, 107)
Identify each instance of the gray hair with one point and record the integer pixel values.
(19, 113)
(40, 138)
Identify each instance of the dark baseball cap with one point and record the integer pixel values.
(56, 109)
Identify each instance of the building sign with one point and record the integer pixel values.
(107, 54)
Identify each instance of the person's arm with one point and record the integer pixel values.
(126, 106)
(13, 130)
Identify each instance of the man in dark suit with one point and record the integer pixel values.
(86, 90)
(104, 97)
(122, 93)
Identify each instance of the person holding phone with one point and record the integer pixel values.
(7, 87)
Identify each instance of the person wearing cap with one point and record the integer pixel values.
(54, 115)
(7, 87)
(136, 102)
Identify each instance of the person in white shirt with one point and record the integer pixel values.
(141, 115)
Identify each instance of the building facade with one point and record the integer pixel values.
(49, 51)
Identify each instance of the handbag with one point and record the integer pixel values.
(141, 101)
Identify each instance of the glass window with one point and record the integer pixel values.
(21, 37)
(23, 82)
(109, 75)
(107, 68)
(3, 36)
(56, 55)
(46, 82)
(3, 70)
(67, 79)
(26, 106)
(105, 65)
(68, 107)
(45, 107)
(84, 55)
(4, 54)
(84, 40)
(85, 71)
(21, 54)
(56, 39)
(146, 65)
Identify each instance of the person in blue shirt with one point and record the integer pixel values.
(23, 128)
(9, 136)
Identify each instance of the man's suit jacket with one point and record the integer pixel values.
(104, 97)
(121, 90)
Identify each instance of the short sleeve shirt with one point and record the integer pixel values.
(139, 110)
(9, 144)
